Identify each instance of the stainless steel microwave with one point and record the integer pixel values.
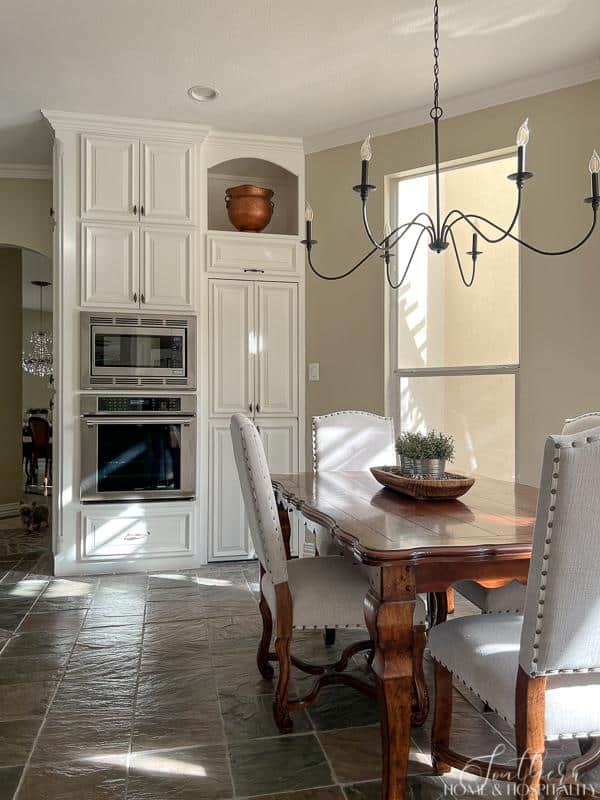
(123, 350)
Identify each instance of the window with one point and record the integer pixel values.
(454, 351)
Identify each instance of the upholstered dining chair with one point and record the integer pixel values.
(510, 598)
(351, 441)
(301, 593)
(540, 670)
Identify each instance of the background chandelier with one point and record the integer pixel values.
(38, 361)
(440, 231)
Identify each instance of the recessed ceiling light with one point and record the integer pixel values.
(203, 93)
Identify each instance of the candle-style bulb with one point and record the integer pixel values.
(594, 165)
(523, 134)
(308, 212)
(387, 230)
(366, 152)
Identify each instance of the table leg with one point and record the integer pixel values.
(389, 609)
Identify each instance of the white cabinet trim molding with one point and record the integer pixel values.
(26, 172)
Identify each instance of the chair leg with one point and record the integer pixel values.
(421, 707)
(529, 734)
(283, 644)
(442, 718)
(262, 657)
(329, 636)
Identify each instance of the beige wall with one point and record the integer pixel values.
(25, 214)
(10, 369)
(560, 359)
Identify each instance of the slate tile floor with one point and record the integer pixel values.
(144, 687)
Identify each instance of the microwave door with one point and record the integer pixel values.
(152, 352)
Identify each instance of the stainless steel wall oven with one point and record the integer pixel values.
(134, 350)
(137, 448)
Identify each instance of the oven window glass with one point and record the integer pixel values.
(141, 350)
(139, 457)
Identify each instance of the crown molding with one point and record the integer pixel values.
(124, 126)
(26, 172)
(251, 140)
(465, 104)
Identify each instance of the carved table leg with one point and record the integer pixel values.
(389, 609)
(286, 530)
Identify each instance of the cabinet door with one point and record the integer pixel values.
(280, 440)
(229, 534)
(110, 178)
(277, 344)
(110, 264)
(166, 182)
(167, 268)
(232, 348)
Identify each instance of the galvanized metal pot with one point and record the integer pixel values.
(425, 467)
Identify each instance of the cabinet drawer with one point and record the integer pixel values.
(252, 254)
(112, 535)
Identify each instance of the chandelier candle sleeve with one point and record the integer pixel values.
(308, 218)
(522, 140)
(366, 154)
(595, 171)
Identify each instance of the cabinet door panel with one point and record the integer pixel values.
(167, 267)
(277, 343)
(232, 348)
(135, 534)
(110, 264)
(228, 528)
(110, 178)
(167, 182)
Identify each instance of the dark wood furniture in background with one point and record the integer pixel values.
(419, 546)
(41, 446)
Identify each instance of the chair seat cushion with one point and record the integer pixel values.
(507, 598)
(327, 592)
(483, 652)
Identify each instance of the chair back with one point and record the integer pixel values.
(581, 423)
(259, 498)
(560, 628)
(352, 440)
(40, 433)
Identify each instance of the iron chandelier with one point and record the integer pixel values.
(440, 231)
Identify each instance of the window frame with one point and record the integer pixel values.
(392, 373)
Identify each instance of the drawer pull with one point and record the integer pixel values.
(250, 269)
(135, 537)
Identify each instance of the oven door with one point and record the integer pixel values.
(138, 351)
(138, 458)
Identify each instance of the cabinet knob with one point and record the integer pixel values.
(251, 269)
(134, 537)
(258, 408)
(142, 211)
(250, 407)
(135, 211)
(142, 298)
(135, 297)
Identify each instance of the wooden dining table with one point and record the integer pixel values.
(417, 546)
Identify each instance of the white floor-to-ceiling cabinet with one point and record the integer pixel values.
(133, 200)
(254, 371)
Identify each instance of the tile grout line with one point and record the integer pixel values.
(51, 701)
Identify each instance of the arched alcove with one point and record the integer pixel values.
(258, 172)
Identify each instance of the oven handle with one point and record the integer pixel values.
(93, 422)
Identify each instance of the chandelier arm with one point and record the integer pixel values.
(448, 226)
(467, 283)
(533, 248)
(344, 274)
(410, 260)
(406, 226)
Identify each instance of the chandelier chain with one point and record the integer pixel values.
(436, 112)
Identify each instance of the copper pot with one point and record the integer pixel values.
(250, 208)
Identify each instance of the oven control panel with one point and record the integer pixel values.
(125, 405)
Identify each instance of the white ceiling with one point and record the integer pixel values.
(283, 67)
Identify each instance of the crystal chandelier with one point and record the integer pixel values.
(38, 361)
(439, 232)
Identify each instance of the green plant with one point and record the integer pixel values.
(425, 445)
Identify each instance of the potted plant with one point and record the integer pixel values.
(425, 454)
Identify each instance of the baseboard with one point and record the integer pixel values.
(9, 510)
